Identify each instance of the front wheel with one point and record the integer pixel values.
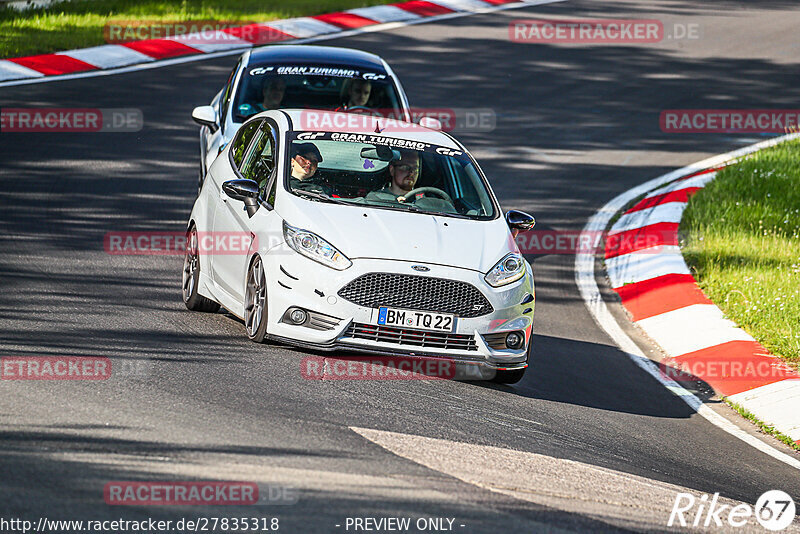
(191, 276)
(255, 302)
(515, 375)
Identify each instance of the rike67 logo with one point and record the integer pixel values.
(774, 510)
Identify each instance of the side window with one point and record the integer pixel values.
(242, 141)
(268, 190)
(226, 94)
(259, 160)
(270, 195)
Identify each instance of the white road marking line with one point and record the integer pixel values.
(627, 501)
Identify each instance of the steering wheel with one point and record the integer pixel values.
(363, 110)
(432, 190)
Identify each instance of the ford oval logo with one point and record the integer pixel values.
(420, 268)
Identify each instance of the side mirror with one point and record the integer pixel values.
(244, 190)
(430, 122)
(519, 221)
(206, 116)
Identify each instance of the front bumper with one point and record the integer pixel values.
(296, 281)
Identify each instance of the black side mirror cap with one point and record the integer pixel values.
(244, 190)
(519, 221)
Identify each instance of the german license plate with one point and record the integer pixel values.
(441, 322)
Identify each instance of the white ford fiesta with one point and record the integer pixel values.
(362, 234)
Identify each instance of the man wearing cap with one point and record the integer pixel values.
(305, 159)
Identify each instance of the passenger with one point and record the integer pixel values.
(272, 93)
(305, 161)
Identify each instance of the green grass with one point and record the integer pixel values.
(80, 24)
(742, 240)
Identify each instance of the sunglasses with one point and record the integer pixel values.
(407, 168)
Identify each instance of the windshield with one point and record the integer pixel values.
(316, 87)
(386, 172)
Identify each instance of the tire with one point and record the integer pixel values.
(191, 276)
(512, 377)
(255, 302)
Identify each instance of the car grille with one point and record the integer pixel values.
(373, 290)
(405, 336)
(496, 341)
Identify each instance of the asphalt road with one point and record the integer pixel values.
(576, 125)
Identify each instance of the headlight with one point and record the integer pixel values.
(510, 269)
(313, 246)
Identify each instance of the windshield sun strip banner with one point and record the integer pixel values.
(376, 139)
(309, 70)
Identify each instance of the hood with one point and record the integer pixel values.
(360, 232)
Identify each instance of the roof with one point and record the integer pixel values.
(317, 55)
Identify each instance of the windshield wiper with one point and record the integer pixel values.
(415, 209)
(318, 196)
(400, 206)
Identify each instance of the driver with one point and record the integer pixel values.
(272, 93)
(403, 175)
(357, 94)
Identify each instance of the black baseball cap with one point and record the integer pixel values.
(306, 148)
